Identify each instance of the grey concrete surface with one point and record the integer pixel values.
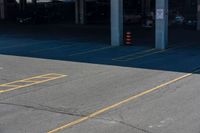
(95, 81)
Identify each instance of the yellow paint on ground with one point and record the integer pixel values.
(141, 56)
(30, 81)
(135, 54)
(99, 112)
(52, 48)
(92, 51)
(146, 53)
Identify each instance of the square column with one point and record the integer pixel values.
(116, 22)
(2, 9)
(161, 24)
(80, 9)
(198, 14)
(77, 2)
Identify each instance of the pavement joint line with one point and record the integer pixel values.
(92, 51)
(15, 87)
(117, 105)
(148, 54)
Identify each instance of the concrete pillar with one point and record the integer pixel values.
(116, 22)
(2, 9)
(77, 11)
(80, 10)
(161, 24)
(198, 14)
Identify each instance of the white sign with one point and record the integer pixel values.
(160, 14)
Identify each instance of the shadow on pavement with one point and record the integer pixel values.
(90, 44)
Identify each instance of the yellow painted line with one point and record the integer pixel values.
(99, 112)
(125, 58)
(24, 79)
(4, 85)
(27, 85)
(1, 91)
(138, 57)
(46, 49)
(136, 53)
(91, 51)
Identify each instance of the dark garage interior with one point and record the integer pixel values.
(56, 20)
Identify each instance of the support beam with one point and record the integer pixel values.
(161, 24)
(198, 15)
(80, 10)
(2, 9)
(116, 22)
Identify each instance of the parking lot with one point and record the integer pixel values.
(64, 80)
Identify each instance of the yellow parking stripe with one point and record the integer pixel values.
(8, 85)
(106, 109)
(92, 51)
(48, 49)
(30, 81)
(146, 53)
(136, 53)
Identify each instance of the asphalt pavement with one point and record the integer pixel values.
(69, 86)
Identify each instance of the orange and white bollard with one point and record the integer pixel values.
(128, 38)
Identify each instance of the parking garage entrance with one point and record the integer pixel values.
(79, 20)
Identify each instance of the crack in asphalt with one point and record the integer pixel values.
(132, 126)
(122, 122)
(56, 110)
(45, 108)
